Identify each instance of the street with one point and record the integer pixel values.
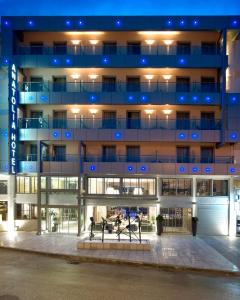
(28, 277)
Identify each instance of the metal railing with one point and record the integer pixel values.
(156, 158)
(120, 123)
(117, 50)
(104, 87)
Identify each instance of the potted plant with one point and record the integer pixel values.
(194, 225)
(55, 224)
(159, 220)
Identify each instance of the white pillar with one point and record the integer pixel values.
(232, 210)
(194, 199)
(11, 203)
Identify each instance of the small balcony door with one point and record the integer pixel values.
(36, 84)
(60, 48)
(183, 48)
(183, 84)
(109, 119)
(60, 119)
(36, 120)
(36, 48)
(108, 84)
(183, 120)
(207, 120)
(59, 84)
(208, 85)
(109, 48)
(183, 154)
(109, 153)
(59, 153)
(207, 155)
(133, 153)
(133, 84)
(134, 48)
(133, 120)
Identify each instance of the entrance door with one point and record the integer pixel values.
(177, 220)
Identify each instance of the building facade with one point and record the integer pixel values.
(102, 116)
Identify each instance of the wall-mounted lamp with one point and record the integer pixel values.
(75, 76)
(75, 110)
(93, 111)
(168, 43)
(167, 77)
(149, 112)
(93, 76)
(75, 44)
(93, 42)
(149, 77)
(150, 43)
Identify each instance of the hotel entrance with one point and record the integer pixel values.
(61, 220)
(177, 220)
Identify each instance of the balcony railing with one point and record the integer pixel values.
(120, 123)
(116, 50)
(103, 87)
(157, 158)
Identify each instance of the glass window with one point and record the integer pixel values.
(72, 183)
(26, 185)
(34, 185)
(184, 187)
(64, 183)
(220, 187)
(43, 183)
(112, 186)
(3, 187)
(204, 187)
(169, 187)
(131, 186)
(147, 185)
(26, 211)
(3, 210)
(95, 185)
(54, 183)
(176, 187)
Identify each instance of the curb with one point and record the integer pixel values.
(79, 259)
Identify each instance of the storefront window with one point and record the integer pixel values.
(147, 185)
(176, 187)
(26, 185)
(26, 211)
(64, 183)
(3, 211)
(220, 187)
(43, 183)
(131, 187)
(3, 187)
(112, 186)
(95, 185)
(204, 187)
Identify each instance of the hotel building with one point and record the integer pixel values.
(102, 116)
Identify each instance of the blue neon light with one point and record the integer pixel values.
(68, 23)
(182, 23)
(118, 23)
(6, 61)
(130, 168)
(118, 135)
(233, 99)
(105, 60)
(195, 169)
(68, 134)
(181, 169)
(195, 22)
(55, 61)
(233, 136)
(6, 23)
(169, 22)
(208, 99)
(181, 136)
(130, 98)
(143, 168)
(43, 98)
(68, 61)
(181, 61)
(181, 99)
(92, 98)
(30, 23)
(208, 170)
(232, 170)
(144, 98)
(5, 134)
(195, 136)
(234, 23)
(143, 61)
(195, 99)
(55, 134)
(92, 168)
(80, 23)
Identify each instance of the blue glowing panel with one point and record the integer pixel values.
(195, 169)
(143, 61)
(195, 23)
(208, 170)
(144, 99)
(182, 23)
(234, 23)
(130, 168)
(195, 99)
(92, 168)
(181, 169)
(92, 98)
(5, 61)
(68, 23)
(6, 23)
(181, 61)
(169, 23)
(105, 60)
(43, 98)
(130, 98)
(195, 136)
(182, 136)
(232, 170)
(55, 61)
(30, 23)
(56, 134)
(118, 135)
(233, 99)
(68, 61)
(143, 168)
(80, 23)
(233, 136)
(208, 99)
(68, 134)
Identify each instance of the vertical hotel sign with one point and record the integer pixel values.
(13, 134)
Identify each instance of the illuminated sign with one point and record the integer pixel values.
(13, 119)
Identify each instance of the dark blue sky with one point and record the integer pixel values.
(119, 7)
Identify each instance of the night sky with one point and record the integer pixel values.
(119, 7)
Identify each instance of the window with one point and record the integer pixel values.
(59, 84)
(133, 84)
(109, 153)
(183, 120)
(36, 84)
(26, 211)
(133, 120)
(208, 84)
(133, 153)
(112, 186)
(60, 119)
(147, 185)
(60, 48)
(95, 185)
(3, 210)
(220, 188)
(36, 48)
(109, 119)
(43, 183)
(183, 154)
(138, 186)
(176, 187)
(64, 183)
(204, 187)
(59, 153)
(208, 120)
(109, 48)
(108, 84)
(183, 48)
(183, 84)
(133, 48)
(207, 155)
(26, 185)
(3, 187)
(209, 48)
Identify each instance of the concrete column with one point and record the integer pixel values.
(79, 200)
(158, 190)
(223, 84)
(194, 199)
(11, 203)
(39, 231)
(232, 210)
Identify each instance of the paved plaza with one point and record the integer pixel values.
(180, 251)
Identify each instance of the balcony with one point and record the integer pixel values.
(119, 129)
(144, 56)
(119, 93)
(145, 164)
